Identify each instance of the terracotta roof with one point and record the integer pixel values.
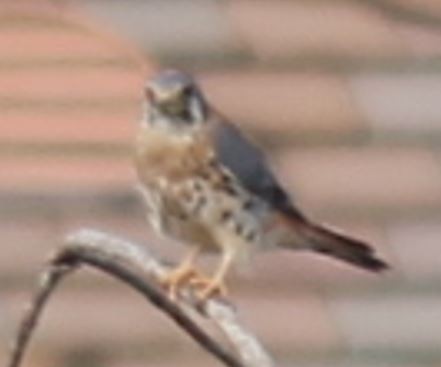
(344, 96)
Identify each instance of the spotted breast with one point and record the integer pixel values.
(192, 197)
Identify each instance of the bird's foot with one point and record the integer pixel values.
(174, 280)
(208, 287)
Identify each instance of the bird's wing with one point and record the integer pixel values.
(248, 164)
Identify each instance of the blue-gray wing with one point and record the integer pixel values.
(248, 164)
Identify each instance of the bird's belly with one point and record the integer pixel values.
(175, 224)
(190, 232)
(215, 220)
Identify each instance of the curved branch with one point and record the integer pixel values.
(135, 266)
(48, 282)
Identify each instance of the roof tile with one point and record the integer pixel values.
(363, 177)
(284, 28)
(416, 246)
(390, 321)
(283, 102)
(69, 126)
(169, 27)
(58, 173)
(399, 103)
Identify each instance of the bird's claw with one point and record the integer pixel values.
(204, 287)
(208, 287)
(175, 279)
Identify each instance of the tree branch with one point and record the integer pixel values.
(135, 266)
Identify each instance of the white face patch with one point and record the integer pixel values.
(197, 109)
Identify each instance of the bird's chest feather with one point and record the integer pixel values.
(191, 195)
(161, 155)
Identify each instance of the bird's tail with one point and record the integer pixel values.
(328, 242)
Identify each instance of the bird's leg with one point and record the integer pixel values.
(216, 284)
(182, 273)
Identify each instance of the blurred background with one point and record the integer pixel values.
(344, 94)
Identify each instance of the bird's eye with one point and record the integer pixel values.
(187, 92)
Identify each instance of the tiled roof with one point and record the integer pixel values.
(345, 97)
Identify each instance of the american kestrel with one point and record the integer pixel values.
(207, 185)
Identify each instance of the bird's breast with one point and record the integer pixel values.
(200, 199)
(172, 157)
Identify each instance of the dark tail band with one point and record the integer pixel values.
(350, 250)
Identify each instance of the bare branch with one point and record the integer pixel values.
(48, 281)
(135, 266)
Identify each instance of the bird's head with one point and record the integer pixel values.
(174, 101)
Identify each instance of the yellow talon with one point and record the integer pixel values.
(208, 287)
(176, 279)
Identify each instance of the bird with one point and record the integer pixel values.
(208, 185)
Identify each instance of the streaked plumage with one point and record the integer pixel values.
(209, 186)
